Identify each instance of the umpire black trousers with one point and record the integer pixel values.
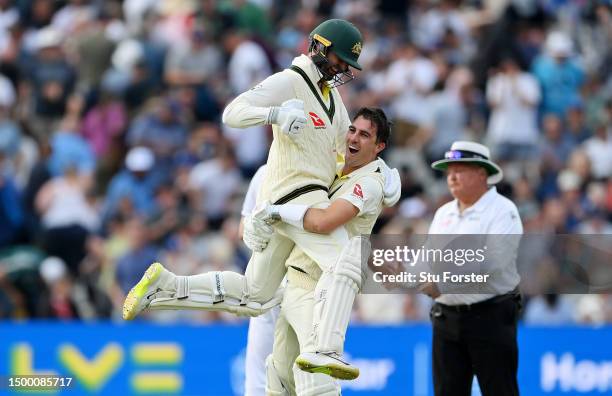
(477, 340)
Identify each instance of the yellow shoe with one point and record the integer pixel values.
(138, 298)
(326, 363)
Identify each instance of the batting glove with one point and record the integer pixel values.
(290, 117)
(257, 233)
(392, 190)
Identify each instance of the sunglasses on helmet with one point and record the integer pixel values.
(462, 154)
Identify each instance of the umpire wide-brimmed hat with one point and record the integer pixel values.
(471, 152)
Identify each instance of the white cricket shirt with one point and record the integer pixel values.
(492, 215)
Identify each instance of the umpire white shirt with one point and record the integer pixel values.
(493, 214)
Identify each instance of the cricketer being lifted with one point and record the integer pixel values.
(309, 123)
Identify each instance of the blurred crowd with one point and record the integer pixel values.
(113, 156)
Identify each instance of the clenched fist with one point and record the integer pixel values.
(290, 117)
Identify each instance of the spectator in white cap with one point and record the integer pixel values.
(58, 301)
(63, 297)
(51, 78)
(559, 74)
(469, 339)
(132, 191)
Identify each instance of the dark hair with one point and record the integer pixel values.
(378, 118)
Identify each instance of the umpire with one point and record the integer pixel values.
(475, 334)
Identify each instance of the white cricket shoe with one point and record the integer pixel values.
(139, 298)
(326, 363)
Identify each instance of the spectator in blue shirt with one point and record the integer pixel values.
(559, 74)
(51, 76)
(136, 184)
(68, 148)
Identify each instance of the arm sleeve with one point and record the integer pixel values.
(251, 196)
(366, 194)
(253, 106)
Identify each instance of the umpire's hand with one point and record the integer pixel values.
(430, 289)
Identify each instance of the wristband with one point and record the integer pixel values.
(292, 214)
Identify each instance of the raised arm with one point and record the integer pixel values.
(254, 106)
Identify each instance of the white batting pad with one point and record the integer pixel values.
(335, 294)
(213, 291)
